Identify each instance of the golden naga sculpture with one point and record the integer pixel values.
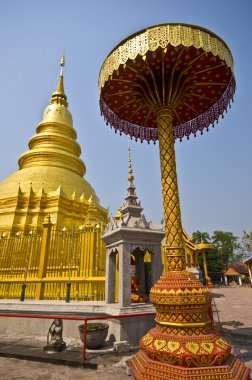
(167, 82)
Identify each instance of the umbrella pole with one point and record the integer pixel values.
(175, 252)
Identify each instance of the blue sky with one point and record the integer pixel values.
(214, 170)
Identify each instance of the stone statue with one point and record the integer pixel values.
(54, 337)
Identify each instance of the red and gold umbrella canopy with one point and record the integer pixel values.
(183, 67)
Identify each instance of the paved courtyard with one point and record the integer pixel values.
(11, 369)
(235, 312)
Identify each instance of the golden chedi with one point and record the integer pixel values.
(50, 177)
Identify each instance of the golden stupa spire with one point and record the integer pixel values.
(59, 96)
(130, 171)
(62, 63)
(55, 142)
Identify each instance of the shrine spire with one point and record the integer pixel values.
(130, 171)
(131, 204)
(59, 95)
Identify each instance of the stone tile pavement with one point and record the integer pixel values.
(234, 309)
(39, 365)
(15, 369)
(234, 306)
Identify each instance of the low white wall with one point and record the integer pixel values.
(130, 329)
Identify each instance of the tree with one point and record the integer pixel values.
(200, 237)
(227, 245)
(246, 243)
(213, 256)
(227, 249)
(214, 261)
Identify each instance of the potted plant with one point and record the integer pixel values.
(96, 334)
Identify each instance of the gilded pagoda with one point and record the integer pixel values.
(50, 176)
(50, 217)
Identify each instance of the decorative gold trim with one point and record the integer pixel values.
(175, 324)
(161, 36)
(175, 257)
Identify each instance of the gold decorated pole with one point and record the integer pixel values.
(175, 255)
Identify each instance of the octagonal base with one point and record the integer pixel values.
(142, 368)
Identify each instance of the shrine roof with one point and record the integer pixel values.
(231, 272)
(248, 260)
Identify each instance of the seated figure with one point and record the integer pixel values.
(135, 296)
(54, 337)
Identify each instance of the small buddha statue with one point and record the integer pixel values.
(55, 341)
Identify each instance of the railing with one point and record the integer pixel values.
(42, 265)
(82, 289)
(76, 318)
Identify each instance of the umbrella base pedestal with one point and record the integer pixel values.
(142, 367)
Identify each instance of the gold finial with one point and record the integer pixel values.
(62, 62)
(130, 171)
(59, 96)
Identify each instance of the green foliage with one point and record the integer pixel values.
(214, 261)
(227, 244)
(214, 257)
(199, 237)
(246, 242)
(227, 249)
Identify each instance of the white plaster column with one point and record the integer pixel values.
(240, 280)
(124, 277)
(225, 279)
(110, 284)
(156, 264)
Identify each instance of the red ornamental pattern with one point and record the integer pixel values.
(199, 124)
